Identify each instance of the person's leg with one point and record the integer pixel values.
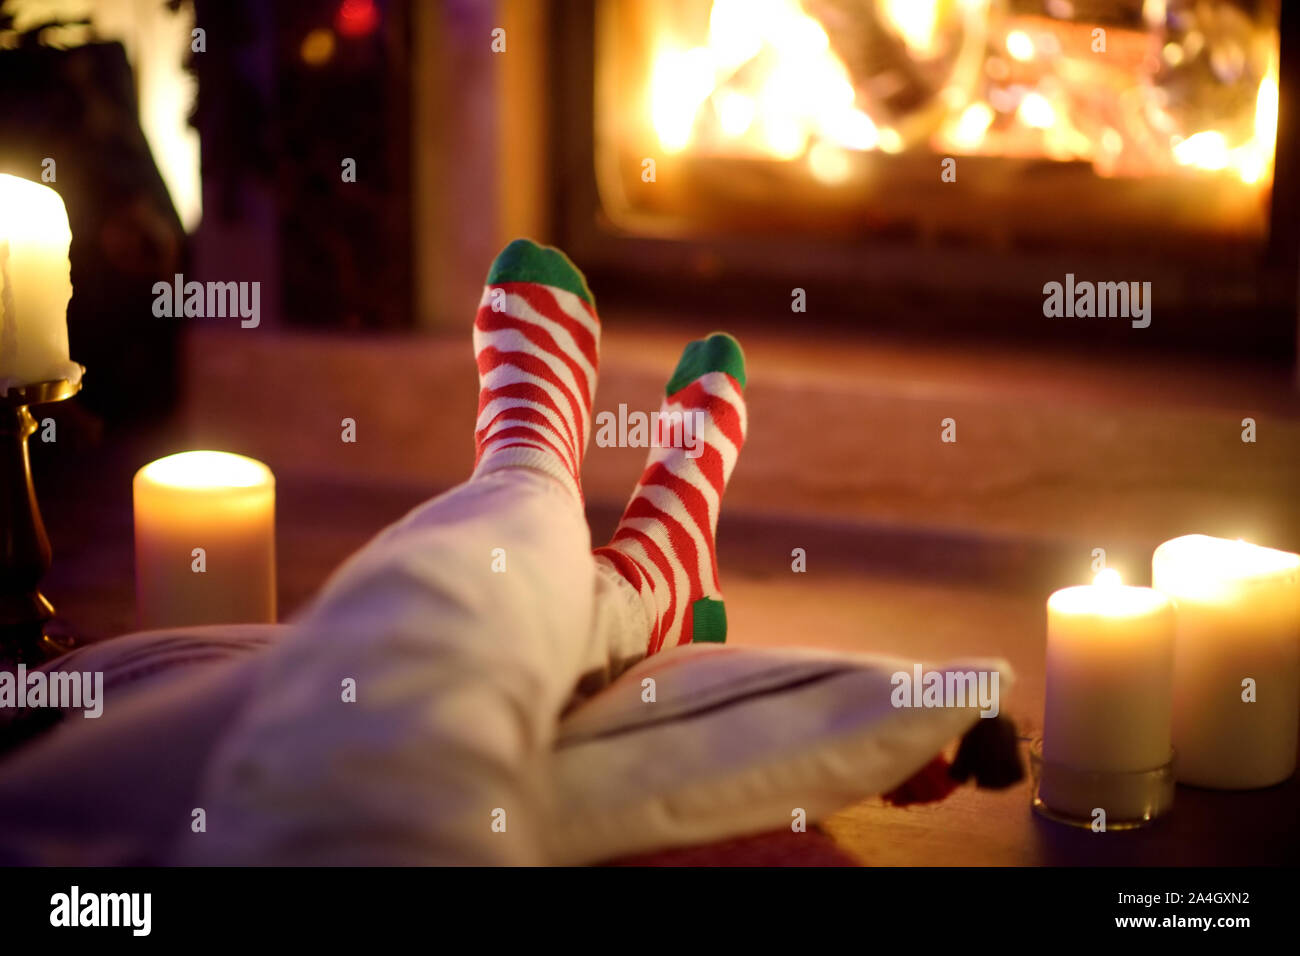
(405, 720)
(657, 579)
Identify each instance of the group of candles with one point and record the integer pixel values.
(204, 521)
(1203, 666)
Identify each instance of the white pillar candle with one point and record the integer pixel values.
(1238, 637)
(35, 284)
(1109, 677)
(204, 540)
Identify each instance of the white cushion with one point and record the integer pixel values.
(735, 741)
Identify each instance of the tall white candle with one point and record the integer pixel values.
(1236, 660)
(204, 540)
(1109, 677)
(35, 284)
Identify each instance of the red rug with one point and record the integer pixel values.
(777, 848)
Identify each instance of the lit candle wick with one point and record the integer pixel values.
(1107, 578)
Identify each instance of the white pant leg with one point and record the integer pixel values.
(460, 674)
(620, 630)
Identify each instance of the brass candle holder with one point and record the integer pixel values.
(24, 546)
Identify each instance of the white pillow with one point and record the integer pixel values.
(735, 741)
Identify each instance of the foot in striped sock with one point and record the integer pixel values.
(537, 343)
(664, 545)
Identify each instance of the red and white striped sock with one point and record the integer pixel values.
(664, 545)
(537, 344)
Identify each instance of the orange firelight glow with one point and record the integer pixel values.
(766, 81)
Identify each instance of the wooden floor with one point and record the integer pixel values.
(908, 551)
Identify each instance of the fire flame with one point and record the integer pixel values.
(767, 82)
(792, 97)
(1252, 160)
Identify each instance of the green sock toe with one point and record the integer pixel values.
(717, 353)
(525, 261)
(709, 621)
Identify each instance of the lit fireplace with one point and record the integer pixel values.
(742, 101)
(767, 81)
(923, 166)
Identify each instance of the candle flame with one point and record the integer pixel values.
(1107, 578)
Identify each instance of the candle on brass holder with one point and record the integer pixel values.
(24, 546)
